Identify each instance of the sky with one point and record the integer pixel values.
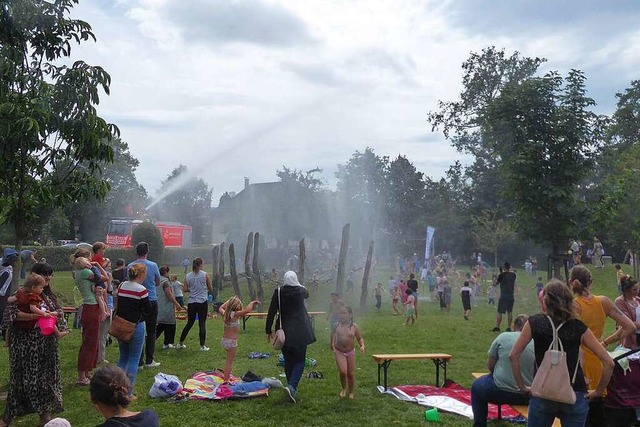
(241, 88)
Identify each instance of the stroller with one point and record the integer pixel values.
(622, 402)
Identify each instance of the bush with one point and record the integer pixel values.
(148, 232)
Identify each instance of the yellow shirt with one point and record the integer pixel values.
(593, 315)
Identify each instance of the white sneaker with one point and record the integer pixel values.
(153, 364)
(167, 346)
(204, 348)
(180, 345)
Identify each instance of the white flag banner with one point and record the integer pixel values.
(429, 245)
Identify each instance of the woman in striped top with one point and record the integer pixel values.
(133, 305)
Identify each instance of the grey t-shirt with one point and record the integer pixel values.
(502, 373)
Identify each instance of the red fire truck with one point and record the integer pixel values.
(173, 234)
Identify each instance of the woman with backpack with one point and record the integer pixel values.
(560, 315)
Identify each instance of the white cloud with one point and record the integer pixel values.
(236, 88)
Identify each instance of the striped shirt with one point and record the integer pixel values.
(133, 302)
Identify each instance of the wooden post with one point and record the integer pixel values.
(215, 255)
(301, 261)
(342, 259)
(247, 266)
(365, 277)
(256, 268)
(232, 270)
(221, 264)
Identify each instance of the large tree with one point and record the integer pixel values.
(126, 196)
(47, 111)
(546, 135)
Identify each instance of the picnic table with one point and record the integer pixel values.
(261, 315)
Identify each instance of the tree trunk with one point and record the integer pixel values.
(365, 278)
(342, 259)
(256, 268)
(215, 257)
(301, 262)
(247, 266)
(232, 270)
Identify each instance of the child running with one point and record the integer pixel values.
(342, 337)
(232, 311)
(29, 301)
(465, 294)
(410, 307)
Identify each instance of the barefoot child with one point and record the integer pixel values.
(410, 307)
(342, 337)
(465, 294)
(377, 293)
(232, 311)
(29, 301)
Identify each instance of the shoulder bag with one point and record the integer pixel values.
(121, 329)
(278, 341)
(552, 380)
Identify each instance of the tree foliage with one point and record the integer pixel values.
(148, 232)
(48, 111)
(491, 232)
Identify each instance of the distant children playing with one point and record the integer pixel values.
(232, 311)
(465, 294)
(410, 306)
(178, 289)
(29, 301)
(342, 344)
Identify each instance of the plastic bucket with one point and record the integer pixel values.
(432, 415)
(47, 325)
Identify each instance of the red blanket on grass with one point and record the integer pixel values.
(451, 397)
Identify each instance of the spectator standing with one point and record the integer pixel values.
(151, 281)
(507, 281)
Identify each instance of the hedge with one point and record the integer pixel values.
(58, 256)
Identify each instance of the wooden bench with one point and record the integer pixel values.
(67, 311)
(439, 359)
(260, 315)
(521, 409)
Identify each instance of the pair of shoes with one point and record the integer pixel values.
(204, 348)
(181, 346)
(291, 393)
(167, 346)
(508, 329)
(153, 364)
(496, 329)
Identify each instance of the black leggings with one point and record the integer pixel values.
(169, 332)
(193, 309)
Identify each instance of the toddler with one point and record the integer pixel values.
(334, 307)
(491, 295)
(232, 311)
(29, 301)
(410, 305)
(342, 336)
(97, 275)
(178, 290)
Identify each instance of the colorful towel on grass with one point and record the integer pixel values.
(208, 386)
(451, 397)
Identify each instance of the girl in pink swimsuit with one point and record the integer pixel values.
(342, 344)
(232, 311)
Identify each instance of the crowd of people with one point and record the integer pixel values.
(147, 297)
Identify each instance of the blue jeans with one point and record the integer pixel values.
(130, 353)
(294, 359)
(543, 411)
(485, 391)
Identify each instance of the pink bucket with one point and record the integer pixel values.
(47, 325)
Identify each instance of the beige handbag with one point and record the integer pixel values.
(278, 341)
(552, 380)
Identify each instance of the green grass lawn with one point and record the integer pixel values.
(318, 402)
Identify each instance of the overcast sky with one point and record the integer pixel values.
(235, 88)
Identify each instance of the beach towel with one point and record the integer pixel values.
(208, 386)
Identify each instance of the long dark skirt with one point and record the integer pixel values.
(35, 384)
